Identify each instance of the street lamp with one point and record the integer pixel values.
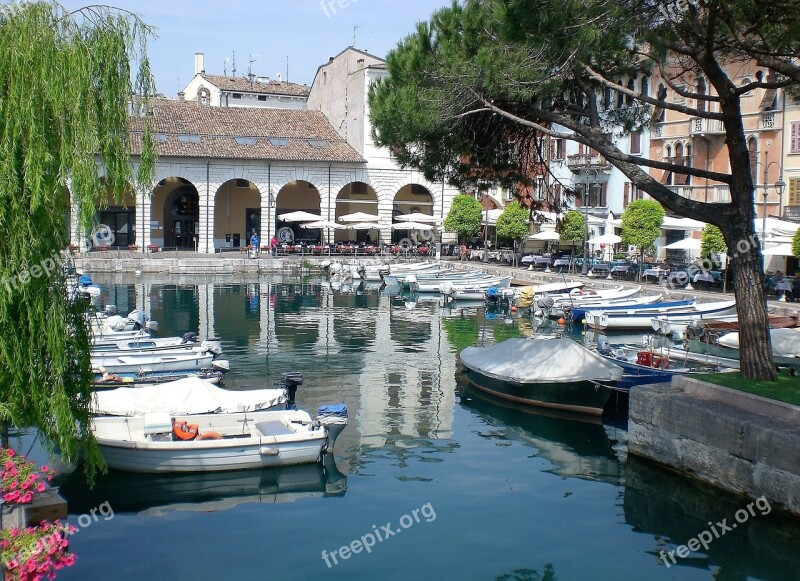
(585, 265)
(779, 187)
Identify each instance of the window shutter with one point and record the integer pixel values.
(636, 142)
(794, 192)
(626, 194)
(795, 147)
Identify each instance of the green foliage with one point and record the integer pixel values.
(713, 241)
(573, 226)
(641, 224)
(796, 244)
(63, 106)
(464, 217)
(513, 222)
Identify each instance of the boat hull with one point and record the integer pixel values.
(585, 397)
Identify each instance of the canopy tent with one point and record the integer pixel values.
(323, 224)
(777, 230)
(546, 235)
(779, 250)
(489, 218)
(299, 216)
(606, 239)
(418, 217)
(364, 226)
(685, 244)
(185, 396)
(358, 217)
(668, 223)
(411, 226)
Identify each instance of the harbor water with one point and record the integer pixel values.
(429, 480)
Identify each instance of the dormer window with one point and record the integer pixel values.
(203, 96)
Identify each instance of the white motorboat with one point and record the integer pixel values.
(474, 291)
(146, 364)
(710, 312)
(582, 296)
(641, 318)
(578, 310)
(377, 272)
(477, 281)
(214, 442)
(152, 345)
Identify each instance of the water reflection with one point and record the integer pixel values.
(675, 509)
(157, 493)
(576, 446)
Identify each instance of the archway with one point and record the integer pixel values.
(410, 199)
(175, 214)
(237, 214)
(115, 220)
(355, 197)
(298, 195)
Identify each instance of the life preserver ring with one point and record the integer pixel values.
(209, 436)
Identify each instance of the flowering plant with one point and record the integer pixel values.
(20, 478)
(31, 553)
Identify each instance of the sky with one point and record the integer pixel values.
(266, 32)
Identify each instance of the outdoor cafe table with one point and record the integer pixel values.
(561, 262)
(536, 260)
(654, 272)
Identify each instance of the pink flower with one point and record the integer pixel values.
(9, 465)
(45, 468)
(32, 477)
(10, 452)
(40, 487)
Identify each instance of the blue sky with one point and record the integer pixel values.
(271, 29)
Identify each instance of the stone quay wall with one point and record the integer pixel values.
(739, 442)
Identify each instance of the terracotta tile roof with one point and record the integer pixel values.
(243, 85)
(188, 129)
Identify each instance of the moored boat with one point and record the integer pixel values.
(554, 373)
(641, 317)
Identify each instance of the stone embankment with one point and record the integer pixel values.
(745, 444)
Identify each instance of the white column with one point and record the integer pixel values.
(144, 203)
(206, 237)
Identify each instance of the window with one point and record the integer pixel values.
(557, 147)
(794, 192)
(245, 140)
(161, 137)
(747, 81)
(679, 98)
(262, 97)
(795, 139)
(279, 141)
(540, 190)
(319, 143)
(636, 142)
(645, 86)
(607, 98)
(236, 95)
(631, 87)
(187, 138)
(701, 90)
(752, 149)
(620, 97)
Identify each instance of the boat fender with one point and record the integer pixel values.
(183, 430)
(209, 436)
(661, 361)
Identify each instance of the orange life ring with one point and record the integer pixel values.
(210, 436)
(183, 430)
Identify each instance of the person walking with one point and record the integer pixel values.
(273, 245)
(254, 244)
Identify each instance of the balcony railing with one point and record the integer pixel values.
(791, 213)
(583, 161)
(702, 126)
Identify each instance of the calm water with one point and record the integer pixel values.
(499, 492)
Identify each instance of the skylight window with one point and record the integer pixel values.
(159, 137)
(279, 141)
(188, 138)
(319, 143)
(246, 140)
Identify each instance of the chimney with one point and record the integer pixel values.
(199, 63)
(278, 77)
(181, 96)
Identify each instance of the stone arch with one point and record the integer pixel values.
(354, 197)
(297, 195)
(409, 199)
(237, 213)
(175, 213)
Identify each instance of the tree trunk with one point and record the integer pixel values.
(746, 261)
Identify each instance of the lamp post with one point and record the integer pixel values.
(779, 186)
(585, 265)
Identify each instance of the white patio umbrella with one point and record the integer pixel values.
(364, 226)
(606, 239)
(299, 216)
(545, 235)
(685, 244)
(779, 250)
(323, 224)
(411, 226)
(358, 217)
(418, 217)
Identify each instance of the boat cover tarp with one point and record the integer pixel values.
(540, 361)
(785, 342)
(191, 395)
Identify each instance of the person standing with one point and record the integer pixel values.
(254, 243)
(273, 245)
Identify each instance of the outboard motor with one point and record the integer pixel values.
(111, 310)
(290, 381)
(212, 345)
(334, 418)
(151, 326)
(190, 337)
(138, 317)
(602, 344)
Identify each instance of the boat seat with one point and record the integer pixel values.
(157, 423)
(274, 428)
